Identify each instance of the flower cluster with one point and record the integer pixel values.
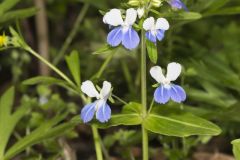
(162, 94)
(123, 32)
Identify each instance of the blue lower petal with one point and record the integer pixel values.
(161, 95)
(103, 113)
(151, 37)
(177, 93)
(114, 38)
(87, 112)
(160, 34)
(130, 39)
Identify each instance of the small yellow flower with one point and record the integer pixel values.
(3, 40)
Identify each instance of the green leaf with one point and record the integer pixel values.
(179, 15)
(74, 66)
(152, 51)
(18, 14)
(48, 129)
(42, 80)
(8, 121)
(7, 4)
(131, 115)
(224, 11)
(104, 49)
(177, 123)
(236, 148)
(46, 80)
(217, 4)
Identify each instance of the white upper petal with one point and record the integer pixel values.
(173, 71)
(131, 16)
(113, 17)
(148, 24)
(89, 89)
(106, 89)
(162, 23)
(156, 73)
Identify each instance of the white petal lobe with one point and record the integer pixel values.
(173, 71)
(131, 16)
(89, 89)
(162, 23)
(156, 73)
(148, 24)
(106, 89)
(113, 17)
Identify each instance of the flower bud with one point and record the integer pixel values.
(140, 12)
(134, 2)
(156, 3)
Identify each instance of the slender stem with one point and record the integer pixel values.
(97, 143)
(150, 108)
(60, 73)
(104, 66)
(144, 94)
(72, 34)
(119, 99)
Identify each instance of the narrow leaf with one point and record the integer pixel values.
(74, 66)
(7, 4)
(18, 14)
(180, 15)
(152, 51)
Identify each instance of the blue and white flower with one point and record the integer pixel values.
(167, 90)
(155, 30)
(123, 32)
(177, 4)
(100, 106)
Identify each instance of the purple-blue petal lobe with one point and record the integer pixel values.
(151, 37)
(103, 113)
(177, 93)
(114, 38)
(161, 95)
(160, 34)
(177, 4)
(87, 112)
(130, 39)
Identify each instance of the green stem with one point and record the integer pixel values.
(60, 73)
(144, 94)
(72, 34)
(97, 143)
(119, 99)
(104, 66)
(150, 108)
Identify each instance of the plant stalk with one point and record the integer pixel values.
(60, 73)
(144, 94)
(97, 142)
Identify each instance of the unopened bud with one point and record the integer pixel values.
(134, 3)
(140, 12)
(156, 3)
